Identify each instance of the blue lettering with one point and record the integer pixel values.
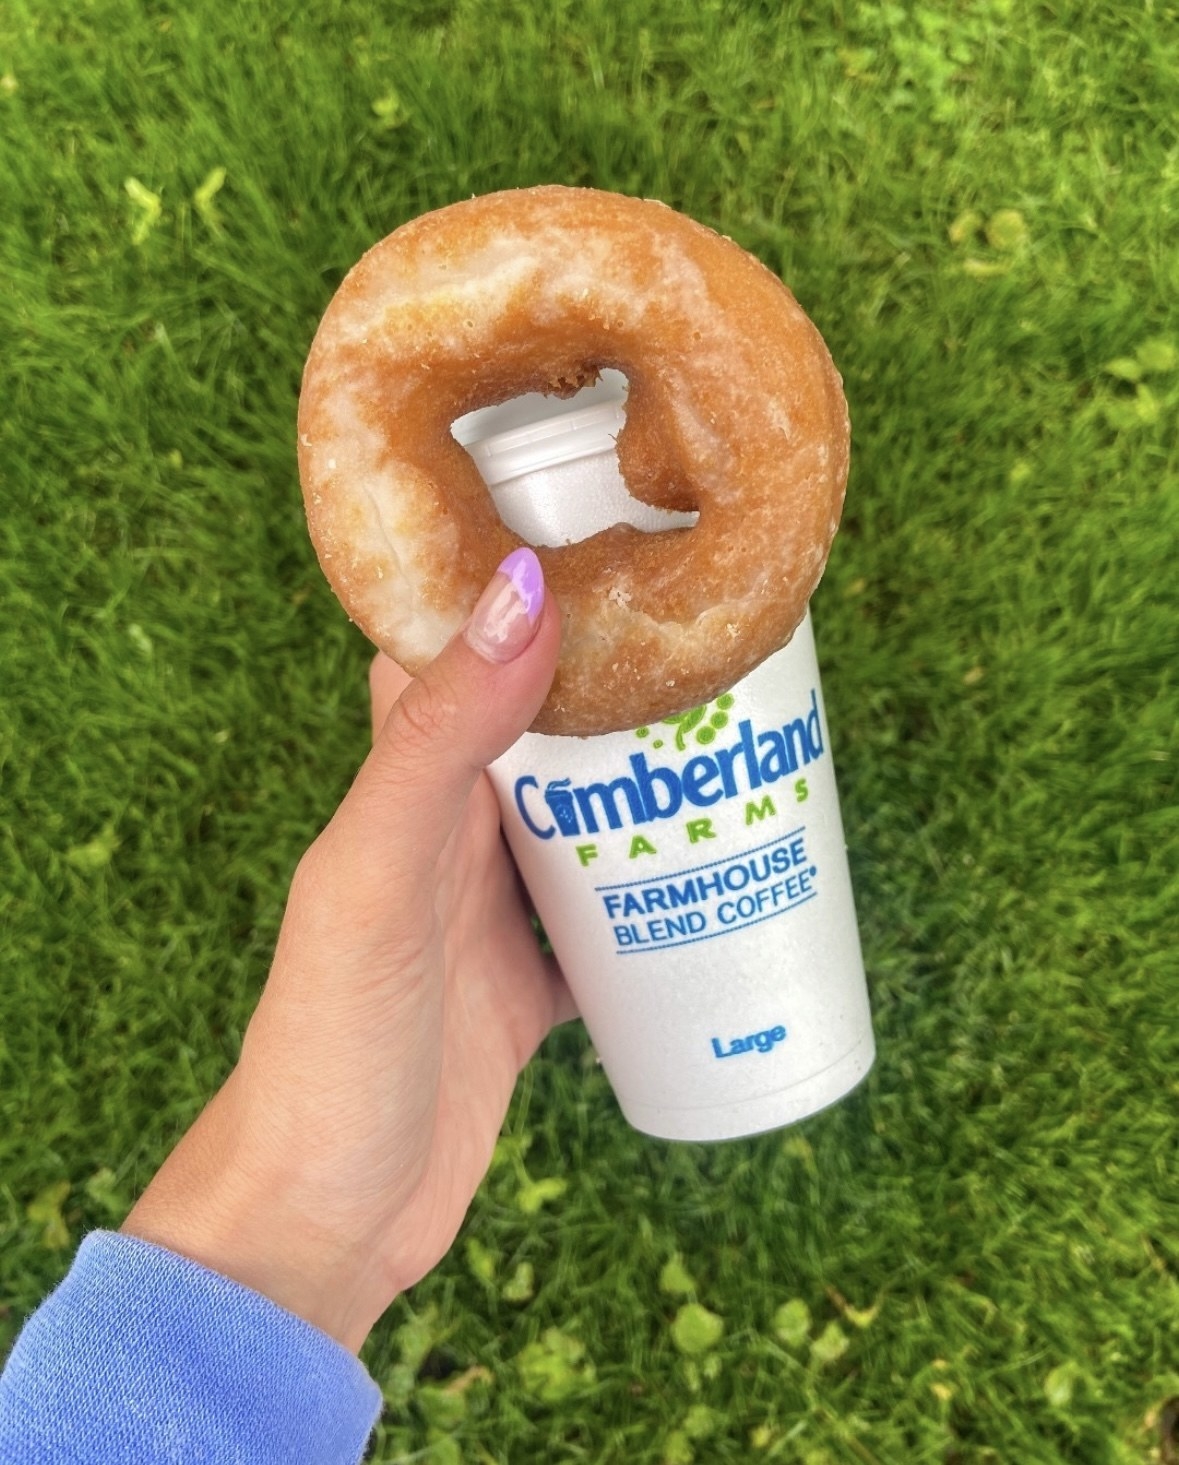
(750, 752)
(776, 762)
(560, 801)
(659, 792)
(814, 728)
(726, 757)
(608, 793)
(698, 774)
(527, 781)
(794, 734)
(761, 1042)
(646, 780)
(689, 924)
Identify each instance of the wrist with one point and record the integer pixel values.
(232, 1205)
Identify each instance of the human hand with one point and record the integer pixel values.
(335, 1166)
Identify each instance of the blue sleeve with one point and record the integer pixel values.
(143, 1355)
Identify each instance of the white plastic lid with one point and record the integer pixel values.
(534, 431)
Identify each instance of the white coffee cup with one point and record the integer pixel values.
(692, 876)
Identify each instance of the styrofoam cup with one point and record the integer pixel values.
(692, 875)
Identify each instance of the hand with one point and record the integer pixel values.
(408, 990)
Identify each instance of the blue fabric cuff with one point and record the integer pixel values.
(143, 1355)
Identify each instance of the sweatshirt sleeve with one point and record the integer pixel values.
(143, 1355)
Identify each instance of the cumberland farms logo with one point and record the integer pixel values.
(650, 789)
(696, 722)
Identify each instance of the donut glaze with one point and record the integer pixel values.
(735, 410)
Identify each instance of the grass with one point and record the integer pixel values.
(974, 1258)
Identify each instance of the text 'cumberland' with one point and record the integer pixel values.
(647, 792)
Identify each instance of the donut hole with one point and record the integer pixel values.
(551, 465)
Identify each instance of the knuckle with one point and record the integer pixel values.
(335, 899)
(308, 871)
(422, 717)
(309, 897)
(313, 885)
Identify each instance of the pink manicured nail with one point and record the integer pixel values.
(504, 621)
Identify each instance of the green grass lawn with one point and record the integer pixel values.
(975, 1257)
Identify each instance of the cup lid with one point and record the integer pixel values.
(534, 431)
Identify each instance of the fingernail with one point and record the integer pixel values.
(504, 621)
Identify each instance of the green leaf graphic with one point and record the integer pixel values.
(684, 723)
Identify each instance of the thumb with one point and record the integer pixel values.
(465, 709)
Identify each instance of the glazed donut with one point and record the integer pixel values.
(735, 410)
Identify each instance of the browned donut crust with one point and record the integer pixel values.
(735, 410)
